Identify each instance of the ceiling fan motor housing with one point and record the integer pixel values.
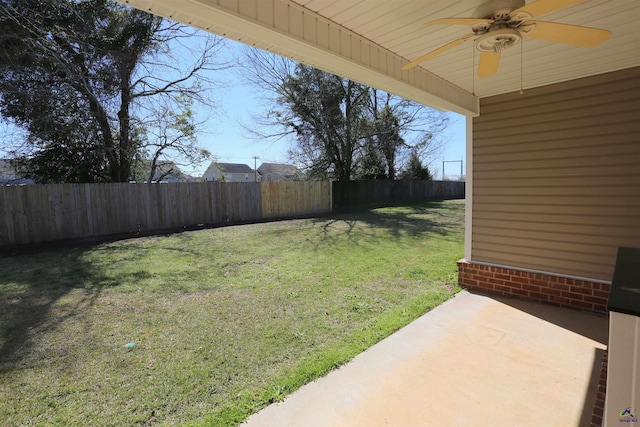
(498, 9)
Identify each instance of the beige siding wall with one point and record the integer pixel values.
(556, 176)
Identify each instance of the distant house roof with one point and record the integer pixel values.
(233, 167)
(233, 172)
(5, 165)
(280, 169)
(168, 171)
(9, 174)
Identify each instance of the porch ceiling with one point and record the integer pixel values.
(369, 40)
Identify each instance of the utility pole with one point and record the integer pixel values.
(255, 171)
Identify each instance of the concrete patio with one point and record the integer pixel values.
(473, 361)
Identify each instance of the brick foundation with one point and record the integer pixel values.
(539, 287)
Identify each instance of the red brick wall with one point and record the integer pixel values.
(544, 288)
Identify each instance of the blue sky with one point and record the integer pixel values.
(225, 137)
(230, 143)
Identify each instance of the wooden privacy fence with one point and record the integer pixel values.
(40, 213)
(295, 198)
(376, 193)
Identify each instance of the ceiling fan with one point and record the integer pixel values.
(503, 23)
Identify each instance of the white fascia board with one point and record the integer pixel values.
(285, 28)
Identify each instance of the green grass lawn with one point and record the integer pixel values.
(224, 321)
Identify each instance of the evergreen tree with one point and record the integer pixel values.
(415, 168)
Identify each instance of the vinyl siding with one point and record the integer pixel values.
(556, 176)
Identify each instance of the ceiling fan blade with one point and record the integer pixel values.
(566, 33)
(488, 65)
(542, 7)
(460, 21)
(436, 52)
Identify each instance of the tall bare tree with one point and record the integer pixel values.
(83, 76)
(401, 128)
(170, 138)
(342, 129)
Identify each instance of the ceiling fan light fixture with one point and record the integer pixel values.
(498, 40)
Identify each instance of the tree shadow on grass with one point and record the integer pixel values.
(32, 284)
(30, 287)
(431, 217)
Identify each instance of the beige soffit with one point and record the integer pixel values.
(369, 40)
(288, 29)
